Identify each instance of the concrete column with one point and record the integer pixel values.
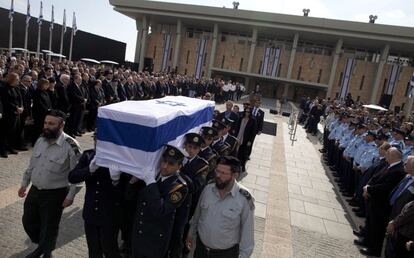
(177, 45)
(291, 62)
(334, 65)
(143, 43)
(213, 50)
(252, 49)
(138, 44)
(378, 75)
(408, 106)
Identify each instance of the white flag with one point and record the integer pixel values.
(74, 27)
(411, 93)
(11, 13)
(28, 12)
(40, 19)
(64, 21)
(53, 18)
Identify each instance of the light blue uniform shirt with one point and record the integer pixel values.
(369, 157)
(365, 146)
(353, 145)
(408, 151)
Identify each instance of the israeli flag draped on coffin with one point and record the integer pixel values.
(131, 134)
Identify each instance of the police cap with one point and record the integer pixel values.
(208, 131)
(194, 139)
(172, 154)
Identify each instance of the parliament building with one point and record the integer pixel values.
(289, 56)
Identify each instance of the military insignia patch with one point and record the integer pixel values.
(210, 131)
(176, 197)
(172, 152)
(195, 139)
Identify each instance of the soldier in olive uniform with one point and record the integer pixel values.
(157, 204)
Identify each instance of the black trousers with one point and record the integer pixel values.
(395, 246)
(41, 217)
(202, 251)
(102, 240)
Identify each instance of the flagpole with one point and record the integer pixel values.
(27, 28)
(51, 34)
(39, 32)
(70, 46)
(61, 35)
(11, 28)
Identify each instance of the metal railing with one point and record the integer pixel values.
(292, 125)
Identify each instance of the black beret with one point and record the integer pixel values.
(218, 125)
(398, 131)
(208, 131)
(193, 138)
(173, 154)
(56, 113)
(231, 161)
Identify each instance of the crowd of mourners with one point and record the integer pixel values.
(371, 155)
(29, 88)
(193, 203)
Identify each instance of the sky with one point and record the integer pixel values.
(98, 16)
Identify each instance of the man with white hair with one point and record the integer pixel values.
(61, 89)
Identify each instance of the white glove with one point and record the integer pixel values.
(92, 166)
(148, 178)
(114, 172)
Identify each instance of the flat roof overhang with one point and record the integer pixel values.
(271, 78)
(354, 34)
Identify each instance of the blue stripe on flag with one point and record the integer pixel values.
(149, 139)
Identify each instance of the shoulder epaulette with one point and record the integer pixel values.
(248, 197)
(181, 179)
(175, 188)
(73, 144)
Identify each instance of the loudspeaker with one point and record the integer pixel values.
(273, 111)
(385, 100)
(285, 114)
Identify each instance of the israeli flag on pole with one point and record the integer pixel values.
(131, 134)
(411, 93)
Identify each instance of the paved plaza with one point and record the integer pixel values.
(299, 212)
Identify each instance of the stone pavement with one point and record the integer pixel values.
(298, 211)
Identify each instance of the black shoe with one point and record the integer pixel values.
(78, 134)
(11, 151)
(4, 155)
(356, 209)
(358, 234)
(360, 214)
(22, 148)
(360, 242)
(322, 150)
(369, 252)
(347, 195)
(354, 204)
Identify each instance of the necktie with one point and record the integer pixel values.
(400, 188)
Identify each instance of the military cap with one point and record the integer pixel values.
(56, 113)
(398, 131)
(218, 125)
(409, 137)
(233, 162)
(208, 131)
(173, 154)
(372, 133)
(227, 121)
(193, 138)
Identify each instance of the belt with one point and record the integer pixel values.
(50, 190)
(216, 251)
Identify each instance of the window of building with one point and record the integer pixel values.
(361, 85)
(222, 61)
(278, 71)
(241, 64)
(407, 89)
(340, 79)
(190, 34)
(260, 66)
(299, 73)
(384, 85)
(205, 59)
(188, 56)
(155, 52)
(319, 75)
(185, 71)
(223, 38)
(358, 98)
(171, 53)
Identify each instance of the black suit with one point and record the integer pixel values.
(41, 105)
(154, 220)
(232, 116)
(232, 142)
(63, 104)
(101, 207)
(395, 246)
(378, 206)
(97, 99)
(77, 99)
(259, 116)
(27, 105)
(248, 137)
(12, 100)
(211, 157)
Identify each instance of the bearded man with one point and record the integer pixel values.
(54, 155)
(223, 222)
